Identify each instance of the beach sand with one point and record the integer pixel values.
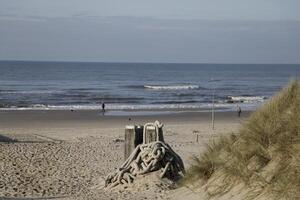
(64, 154)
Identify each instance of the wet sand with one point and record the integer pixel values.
(31, 121)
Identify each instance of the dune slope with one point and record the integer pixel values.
(261, 161)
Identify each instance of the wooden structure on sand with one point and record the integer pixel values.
(145, 151)
(134, 136)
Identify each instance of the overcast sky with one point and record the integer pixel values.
(210, 31)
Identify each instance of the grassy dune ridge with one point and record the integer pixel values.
(262, 159)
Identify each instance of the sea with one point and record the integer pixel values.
(26, 85)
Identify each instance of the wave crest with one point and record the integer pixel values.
(246, 98)
(171, 87)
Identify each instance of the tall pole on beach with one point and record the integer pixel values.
(213, 110)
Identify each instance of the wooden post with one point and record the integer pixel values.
(129, 141)
(133, 137)
(161, 135)
(138, 135)
(196, 133)
(151, 134)
(213, 111)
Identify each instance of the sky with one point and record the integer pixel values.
(197, 31)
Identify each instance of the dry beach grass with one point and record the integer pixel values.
(262, 159)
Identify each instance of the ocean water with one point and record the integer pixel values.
(139, 86)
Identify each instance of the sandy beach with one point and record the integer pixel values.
(140, 100)
(64, 154)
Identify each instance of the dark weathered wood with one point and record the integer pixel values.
(138, 135)
(161, 135)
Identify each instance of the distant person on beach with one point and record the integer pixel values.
(239, 111)
(103, 107)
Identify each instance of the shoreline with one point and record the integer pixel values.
(96, 115)
(91, 122)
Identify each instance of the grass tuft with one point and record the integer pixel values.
(264, 155)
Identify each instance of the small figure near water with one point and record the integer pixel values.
(239, 110)
(103, 107)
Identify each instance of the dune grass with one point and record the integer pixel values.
(264, 155)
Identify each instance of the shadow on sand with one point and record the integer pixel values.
(6, 139)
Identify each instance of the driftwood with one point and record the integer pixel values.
(148, 157)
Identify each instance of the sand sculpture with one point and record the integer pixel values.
(147, 157)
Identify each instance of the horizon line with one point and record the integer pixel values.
(146, 62)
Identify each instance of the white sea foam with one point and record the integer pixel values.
(247, 99)
(135, 107)
(171, 87)
(39, 106)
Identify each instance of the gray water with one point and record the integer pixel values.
(135, 86)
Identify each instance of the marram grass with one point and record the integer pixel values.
(264, 155)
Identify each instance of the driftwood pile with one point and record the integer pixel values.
(146, 158)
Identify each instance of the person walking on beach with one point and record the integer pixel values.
(239, 111)
(103, 107)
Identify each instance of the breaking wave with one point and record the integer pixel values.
(246, 99)
(171, 87)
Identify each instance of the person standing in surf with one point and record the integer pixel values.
(103, 107)
(239, 110)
